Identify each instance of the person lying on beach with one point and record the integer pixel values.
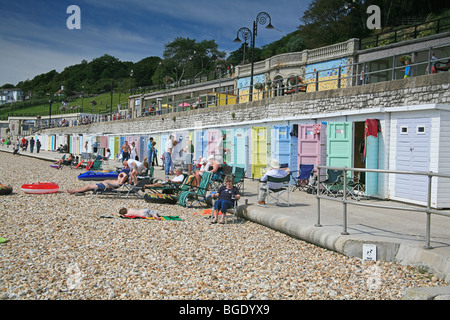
(104, 185)
(177, 180)
(139, 213)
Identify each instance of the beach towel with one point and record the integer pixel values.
(166, 218)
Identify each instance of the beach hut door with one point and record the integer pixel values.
(240, 148)
(259, 151)
(339, 144)
(413, 154)
(281, 144)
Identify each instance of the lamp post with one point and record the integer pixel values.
(262, 19)
(82, 99)
(50, 113)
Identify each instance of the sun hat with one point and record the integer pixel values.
(274, 163)
(211, 157)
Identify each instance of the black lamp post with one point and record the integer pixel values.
(50, 113)
(262, 19)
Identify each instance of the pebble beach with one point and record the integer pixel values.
(61, 247)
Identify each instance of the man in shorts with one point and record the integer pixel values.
(104, 185)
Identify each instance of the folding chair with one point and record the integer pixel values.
(193, 197)
(333, 184)
(279, 196)
(148, 176)
(115, 190)
(356, 188)
(302, 182)
(173, 188)
(94, 165)
(232, 210)
(239, 174)
(130, 189)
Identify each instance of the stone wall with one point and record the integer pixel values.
(428, 89)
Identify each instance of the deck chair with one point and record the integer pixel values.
(173, 188)
(148, 176)
(356, 188)
(302, 181)
(127, 189)
(191, 198)
(333, 184)
(232, 210)
(114, 190)
(239, 174)
(94, 165)
(279, 196)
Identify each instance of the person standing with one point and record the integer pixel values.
(23, 144)
(407, 69)
(220, 150)
(133, 151)
(125, 151)
(155, 153)
(38, 145)
(189, 150)
(168, 151)
(31, 144)
(150, 152)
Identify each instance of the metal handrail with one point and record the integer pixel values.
(428, 210)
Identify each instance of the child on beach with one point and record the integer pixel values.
(141, 213)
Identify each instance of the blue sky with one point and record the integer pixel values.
(34, 37)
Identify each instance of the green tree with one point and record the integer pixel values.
(187, 58)
(144, 71)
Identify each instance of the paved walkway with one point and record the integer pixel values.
(399, 236)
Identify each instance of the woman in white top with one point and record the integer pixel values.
(133, 151)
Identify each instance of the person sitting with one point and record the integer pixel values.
(66, 162)
(178, 180)
(136, 168)
(198, 173)
(215, 167)
(273, 171)
(106, 157)
(226, 196)
(104, 185)
(139, 213)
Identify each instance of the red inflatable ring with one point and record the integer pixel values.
(40, 187)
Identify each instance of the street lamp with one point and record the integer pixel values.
(50, 113)
(262, 19)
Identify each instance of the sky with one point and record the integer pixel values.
(35, 38)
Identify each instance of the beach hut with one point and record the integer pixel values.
(281, 144)
(259, 150)
(213, 136)
(419, 141)
(227, 144)
(178, 154)
(240, 145)
(143, 140)
(312, 139)
(200, 144)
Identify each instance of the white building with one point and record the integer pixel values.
(10, 95)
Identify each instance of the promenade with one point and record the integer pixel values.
(399, 236)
